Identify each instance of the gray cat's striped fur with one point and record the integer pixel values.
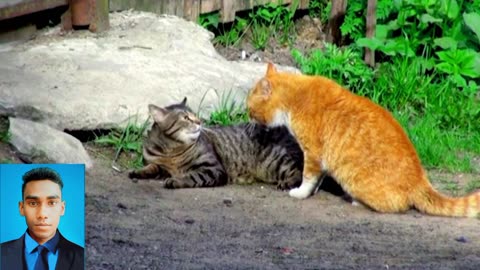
(185, 154)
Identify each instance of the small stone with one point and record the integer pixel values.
(189, 221)
(122, 206)
(461, 239)
(228, 202)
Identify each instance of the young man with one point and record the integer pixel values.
(42, 246)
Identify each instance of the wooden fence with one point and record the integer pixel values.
(191, 9)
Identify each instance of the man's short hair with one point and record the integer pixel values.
(42, 173)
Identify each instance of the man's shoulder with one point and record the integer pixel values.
(11, 244)
(66, 244)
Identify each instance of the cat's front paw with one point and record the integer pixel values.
(287, 185)
(133, 175)
(172, 183)
(298, 193)
(303, 191)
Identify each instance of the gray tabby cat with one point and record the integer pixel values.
(185, 154)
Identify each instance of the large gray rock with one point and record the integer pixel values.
(44, 144)
(82, 80)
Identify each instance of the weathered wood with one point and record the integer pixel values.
(11, 9)
(191, 10)
(207, 6)
(337, 15)
(303, 4)
(371, 24)
(99, 15)
(227, 12)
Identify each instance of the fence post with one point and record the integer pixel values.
(337, 15)
(371, 24)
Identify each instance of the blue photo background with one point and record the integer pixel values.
(72, 224)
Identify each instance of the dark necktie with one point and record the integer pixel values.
(42, 262)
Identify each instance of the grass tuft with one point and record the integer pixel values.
(228, 112)
(128, 140)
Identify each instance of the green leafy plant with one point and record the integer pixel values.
(209, 20)
(353, 26)
(6, 161)
(127, 140)
(401, 84)
(434, 30)
(320, 9)
(5, 136)
(232, 36)
(459, 64)
(452, 150)
(260, 34)
(343, 65)
(228, 112)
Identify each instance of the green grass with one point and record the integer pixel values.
(441, 121)
(6, 161)
(451, 150)
(228, 112)
(472, 185)
(5, 137)
(128, 140)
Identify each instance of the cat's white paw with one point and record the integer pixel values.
(299, 193)
(303, 191)
(355, 202)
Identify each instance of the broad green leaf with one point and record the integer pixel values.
(371, 43)
(397, 46)
(398, 4)
(472, 20)
(453, 10)
(445, 56)
(469, 64)
(393, 25)
(445, 68)
(459, 80)
(449, 8)
(445, 43)
(381, 31)
(427, 18)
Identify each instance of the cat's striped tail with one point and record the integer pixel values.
(430, 201)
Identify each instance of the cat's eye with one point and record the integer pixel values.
(186, 118)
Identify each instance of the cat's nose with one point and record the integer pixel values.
(196, 121)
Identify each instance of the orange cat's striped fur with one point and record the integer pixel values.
(353, 139)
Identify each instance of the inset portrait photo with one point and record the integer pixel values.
(42, 216)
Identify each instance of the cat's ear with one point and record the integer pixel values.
(158, 114)
(265, 87)
(271, 69)
(184, 101)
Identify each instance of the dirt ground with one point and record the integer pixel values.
(143, 226)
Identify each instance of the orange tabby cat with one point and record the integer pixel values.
(353, 139)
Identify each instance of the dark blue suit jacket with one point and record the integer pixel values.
(71, 256)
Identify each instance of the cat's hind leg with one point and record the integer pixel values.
(383, 198)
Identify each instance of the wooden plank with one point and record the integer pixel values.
(11, 9)
(227, 12)
(371, 25)
(99, 13)
(304, 4)
(191, 10)
(207, 6)
(179, 8)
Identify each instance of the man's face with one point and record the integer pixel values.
(42, 207)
